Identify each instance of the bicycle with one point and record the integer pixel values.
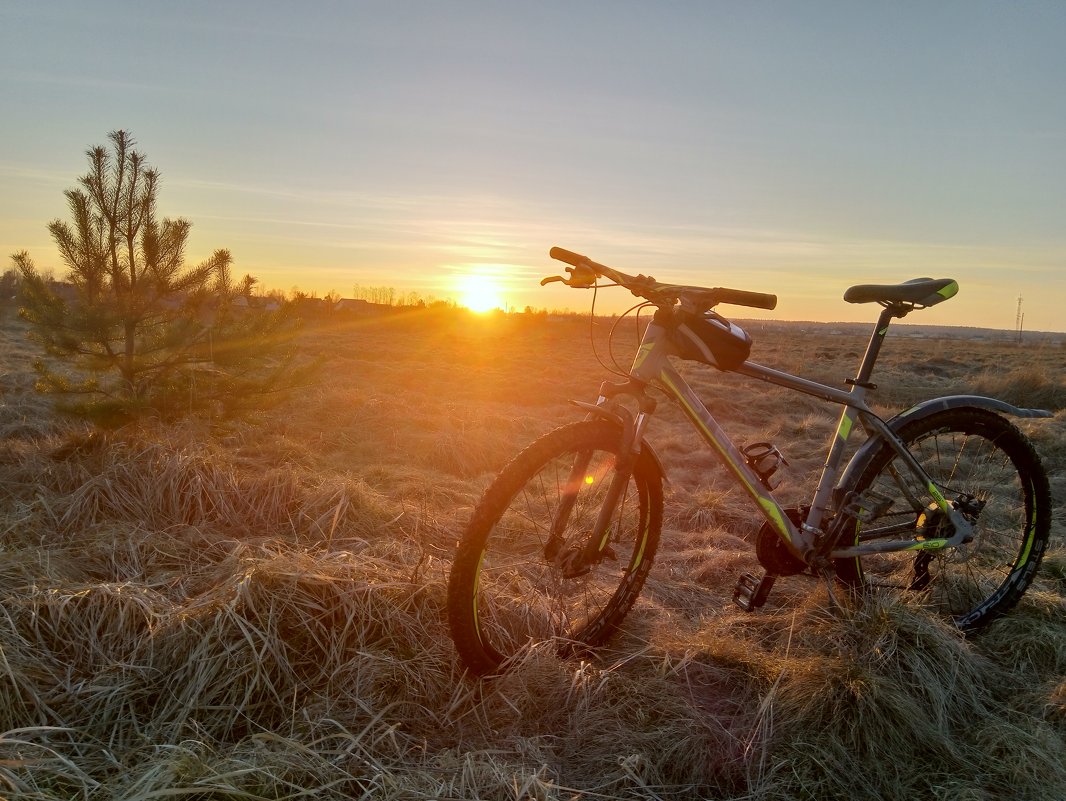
(947, 500)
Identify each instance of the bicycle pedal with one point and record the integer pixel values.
(751, 592)
(867, 507)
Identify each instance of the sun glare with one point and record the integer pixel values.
(480, 293)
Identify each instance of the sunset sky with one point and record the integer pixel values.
(788, 147)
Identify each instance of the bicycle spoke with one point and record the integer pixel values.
(981, 465)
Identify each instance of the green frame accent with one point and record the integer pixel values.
(733, 460)
(844, 429)
(1030, 535)
(949, 291)
(652, 365)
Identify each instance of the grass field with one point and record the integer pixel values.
(257, 611)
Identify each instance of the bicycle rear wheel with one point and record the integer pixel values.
(514, 581)
(989, 470)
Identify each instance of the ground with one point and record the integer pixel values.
(257, 610)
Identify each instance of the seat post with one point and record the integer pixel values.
(873, 348)
(859, 387)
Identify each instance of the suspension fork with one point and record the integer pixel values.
(595, 544)
(566, 505)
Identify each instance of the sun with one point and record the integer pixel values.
(480, 293)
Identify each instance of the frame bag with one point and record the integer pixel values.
(713, 340)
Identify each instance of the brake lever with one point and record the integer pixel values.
(580, 277)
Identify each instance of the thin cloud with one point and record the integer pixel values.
(80, 81)
(34, 174)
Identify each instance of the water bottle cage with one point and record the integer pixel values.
(764, 459)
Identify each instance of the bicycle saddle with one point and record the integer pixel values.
(916, 292)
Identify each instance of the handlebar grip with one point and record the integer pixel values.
(740, 297)
(568, 256)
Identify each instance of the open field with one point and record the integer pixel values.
(257, 611)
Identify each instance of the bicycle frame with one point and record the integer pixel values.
(562, 541)
(805, 541)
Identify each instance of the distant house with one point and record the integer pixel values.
(311, 306)
(349, 305)
(360, 306)
(243, 303)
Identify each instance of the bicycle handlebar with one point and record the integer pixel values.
(584, 272)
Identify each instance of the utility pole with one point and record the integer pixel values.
(1019, 320)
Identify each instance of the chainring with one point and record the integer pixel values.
(773, 554)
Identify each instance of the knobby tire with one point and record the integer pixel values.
(506, 594)
(969, 453)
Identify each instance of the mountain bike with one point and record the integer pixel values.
(947, 501)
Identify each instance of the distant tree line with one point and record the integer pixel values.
(132, 331)
(388, 296)
(9, 290)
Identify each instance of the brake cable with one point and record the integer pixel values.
(614, 367)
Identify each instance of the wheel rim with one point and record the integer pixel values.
(982, 478)
(523, 595)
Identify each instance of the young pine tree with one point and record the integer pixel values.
(134, 332)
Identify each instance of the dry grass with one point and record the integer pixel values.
(258, 613)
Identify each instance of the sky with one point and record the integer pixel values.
(788, 147)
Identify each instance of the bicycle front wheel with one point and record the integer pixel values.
(989, 470)
(518, 577)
